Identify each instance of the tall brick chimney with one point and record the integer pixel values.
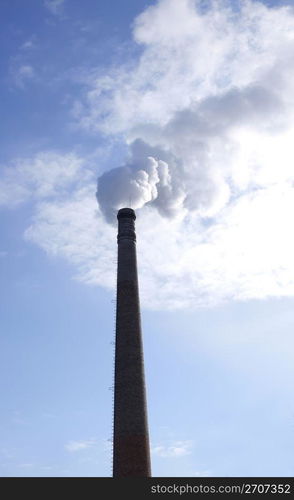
(131, 455)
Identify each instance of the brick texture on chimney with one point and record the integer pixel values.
(131, 451)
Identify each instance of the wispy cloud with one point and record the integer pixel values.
(74, 446)
(29, 44)
(47, 175)
(173, 72)
(22, 74)
(54, 6)
(173, 450)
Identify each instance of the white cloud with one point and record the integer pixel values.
(46, 175)
(206, 114)
(29, 44)
(54, 6)
(174, 69)
(223, 126)
(72, 228)
(175, 450)
(243, 253)
(22, 73)
(210, 102)
(74, 446)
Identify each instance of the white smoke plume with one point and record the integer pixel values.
(144, 179)
(216, 129)
(131, 185)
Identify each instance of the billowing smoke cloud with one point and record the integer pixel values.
(169, 185)
(193, 168)
(144, 179)
(208, 137)
(131, 185)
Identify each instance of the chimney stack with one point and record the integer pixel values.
(131, 454)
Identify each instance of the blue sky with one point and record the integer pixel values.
(205, 150)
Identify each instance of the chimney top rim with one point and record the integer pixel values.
(126, 213)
